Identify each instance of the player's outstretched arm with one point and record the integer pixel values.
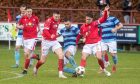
(105, 15)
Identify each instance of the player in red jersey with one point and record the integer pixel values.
(49, 42)
(90, 32)
(30, 26)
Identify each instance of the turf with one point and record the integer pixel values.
(128, 71)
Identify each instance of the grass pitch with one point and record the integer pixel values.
(128, 71)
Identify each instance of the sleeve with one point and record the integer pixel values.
(47, 24)
(37, 21)
(102, 19)
(77, 30)
(79, 36)
(46, 28)
(61, 31)
(17, 19)
(20, 21)
(116, 21)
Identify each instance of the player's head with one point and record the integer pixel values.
(29, 11)
(23, 9)
(56, 15)
(108, 13)
(67, 23)
(89, 17)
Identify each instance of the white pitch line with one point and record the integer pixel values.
(15, 77)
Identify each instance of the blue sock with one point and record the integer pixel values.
(115, 59)
(72, 61)
(68, 70)
(17, 56)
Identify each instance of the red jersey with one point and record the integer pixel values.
(30, 26)
(50, 27)
(91, 31)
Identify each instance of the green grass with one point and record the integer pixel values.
(128, 70)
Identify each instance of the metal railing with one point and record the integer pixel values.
(72, 11)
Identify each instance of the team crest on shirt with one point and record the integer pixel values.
(30, 24)
(55, 26)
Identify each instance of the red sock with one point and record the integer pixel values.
(101, 63)
(60, 64)
(106, 57)
(26, 64)
(34, 56)
(83, 63)
(39, 63)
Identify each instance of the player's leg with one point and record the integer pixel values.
(39, 63)
(85, 53)
(58, 50)
(33, 56)
(97, 50)
(29, 46)
(107, 63)
(104, 48)
(45, 46)
(27, 59)
(19, 43)
(69, 58)
(69, 54)
(113, 51)
(66, 69)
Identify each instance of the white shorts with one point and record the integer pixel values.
(72, 50)
(29, 44)
(47, 45)
(92, 48)
(19, 41)
(111, 46)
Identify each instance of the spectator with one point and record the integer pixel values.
(127, 5)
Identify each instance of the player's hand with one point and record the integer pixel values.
(21, 26)
(107, 8)
(114, 30)
(52, 36)
(84, 40)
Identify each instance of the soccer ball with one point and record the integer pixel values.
(80, 70)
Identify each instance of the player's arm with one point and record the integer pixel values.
(19, 24)
(38, 27)
(60, 33)
(46, 32)
(79, 36)
(104, 17)
(117, 27)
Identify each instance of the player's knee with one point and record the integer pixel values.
(68, 54)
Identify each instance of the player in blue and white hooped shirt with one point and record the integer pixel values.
(69, 34)
(19, 40)
(109, 33)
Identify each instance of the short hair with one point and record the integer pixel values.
(23, 5)
(56, 12)
(28, 7)
(89, 14)
(67, 19)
